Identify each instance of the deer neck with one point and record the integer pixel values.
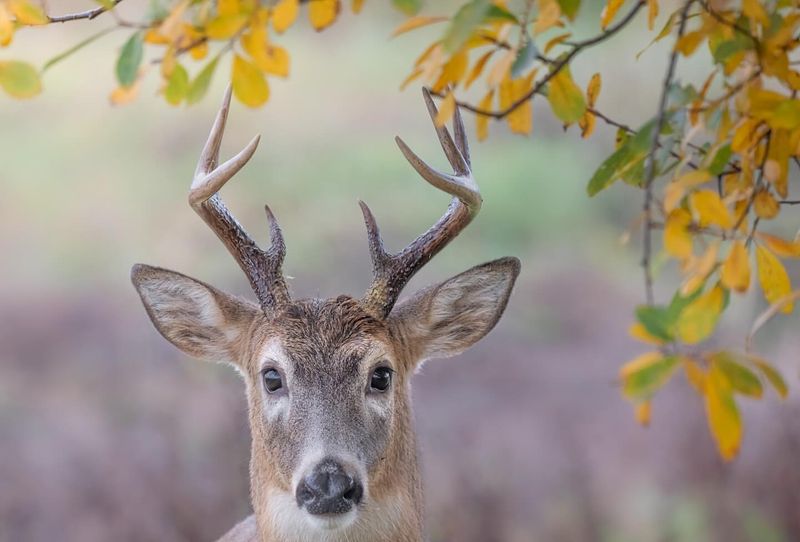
(392, 512)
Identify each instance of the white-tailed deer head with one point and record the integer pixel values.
(333, 451)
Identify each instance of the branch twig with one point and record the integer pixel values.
(88, 14)
(556, 67)
(650, 173)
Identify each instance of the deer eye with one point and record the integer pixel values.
(272, 380)
(381, 378)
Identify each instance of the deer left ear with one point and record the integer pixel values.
(446, 319)
(202, 321)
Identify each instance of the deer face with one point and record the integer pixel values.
(327, 383)
(328, 380)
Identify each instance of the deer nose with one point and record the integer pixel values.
(329, 489)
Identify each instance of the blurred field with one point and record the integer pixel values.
(109, 433)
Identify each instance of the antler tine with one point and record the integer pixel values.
(263, 269)
(452, 152)
(392, 272)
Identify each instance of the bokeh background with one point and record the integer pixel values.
(109, 433)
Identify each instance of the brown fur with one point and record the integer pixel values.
(328, 342)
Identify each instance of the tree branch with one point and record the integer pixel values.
(556, 66)
(651, 164)
(88, 14)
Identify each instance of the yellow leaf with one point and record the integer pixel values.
(453, 71)
(520, 120)
(652, 13)
(781, 247)
(695, 375)
(125, 95)
(446, 110)
(771, 374)
(699, 318)
(674, 192)
(689, 42)
(754, 10)
(249, 85)
(698, 269)
(269, 58)
(284, 14)
(607, 15)
(549, 13)
(773, 278)
(199, 51)
(225, 26)
(19, 79)
(411, 77)
(482, 121)
(587, 124)
(228, 7)
(765, 205)
(6, 26)
(501, 68)
(477, 69)
(357, 5)
(677, 239)
(723, 416)
(746, 135)
(555, 41)
(323, 13)
(643, 376)
(736, 269)
(565, 98)
(171, 26)
(414, 23)
(593, 89)
(638, 363)
(643, 411)
(638, 331)
(709, 209)
(27, 13)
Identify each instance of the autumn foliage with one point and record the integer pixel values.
(713, 163)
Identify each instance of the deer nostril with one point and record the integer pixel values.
(329, 489)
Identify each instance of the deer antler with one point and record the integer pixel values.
(393, 271)
(263, 268)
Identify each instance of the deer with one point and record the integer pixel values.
(333, 451)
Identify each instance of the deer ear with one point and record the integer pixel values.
(446, 319)
(202, 321)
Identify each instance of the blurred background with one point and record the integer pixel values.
(109, 433)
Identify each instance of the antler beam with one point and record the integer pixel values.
(263, 268)
(391, 272)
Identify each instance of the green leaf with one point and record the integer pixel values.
(569, 8)
(644, 382)
(497, 13)
(409, 7)
(464, 22)
(199, 87)
(627, 156)
(19, 79)
(525, 58)
(129, 60)
(720, 160)
(177, 85)
(658, 321)
(75, 48)
(772, 375)
(565, 97)
(741, 379)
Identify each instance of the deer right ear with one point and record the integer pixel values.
(200, 320)
(446, 319)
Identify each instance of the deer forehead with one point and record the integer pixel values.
(313, 338)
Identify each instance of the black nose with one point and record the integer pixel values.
(329, 489)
